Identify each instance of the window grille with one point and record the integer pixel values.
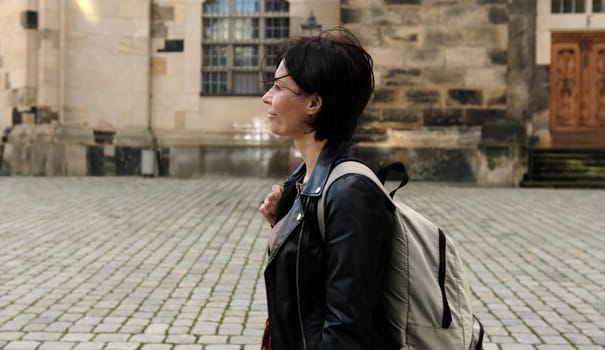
(598, 6)
(239, 44)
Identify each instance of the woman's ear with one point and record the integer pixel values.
(314, 105)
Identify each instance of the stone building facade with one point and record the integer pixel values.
(443, 79)
(97, 87)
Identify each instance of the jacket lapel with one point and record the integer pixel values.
(326, 161)
(286, 226)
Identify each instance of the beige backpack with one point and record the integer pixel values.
(426, 291)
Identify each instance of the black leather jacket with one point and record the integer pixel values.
(322, 294)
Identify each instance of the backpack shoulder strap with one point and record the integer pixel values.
(346, 167)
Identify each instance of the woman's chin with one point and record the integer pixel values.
(275, 130)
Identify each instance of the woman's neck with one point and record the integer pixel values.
(309, 149)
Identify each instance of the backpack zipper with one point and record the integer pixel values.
(300, 323)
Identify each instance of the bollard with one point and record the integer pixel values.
(148, 163)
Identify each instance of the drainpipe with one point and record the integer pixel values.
(62, 49)
(150, 158)
(149, 83)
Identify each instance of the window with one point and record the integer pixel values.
(276, 28)
(239, 44)
(249, 6)
(214, 83)
(276, 6)
(218, 6)
(245, 56)
(577, 6)
(567, 6)
(215, 56)
(216, 29)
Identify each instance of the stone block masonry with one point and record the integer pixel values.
(449, 55)
(443, 68)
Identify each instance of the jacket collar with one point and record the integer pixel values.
(329, 156)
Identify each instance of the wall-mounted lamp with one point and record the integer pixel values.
(310, 25)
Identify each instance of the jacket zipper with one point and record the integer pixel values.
(302, 330)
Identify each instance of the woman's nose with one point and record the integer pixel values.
(267, 97)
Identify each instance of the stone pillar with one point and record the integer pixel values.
(502, 157)
(68, 153)
(18, 63)
(49, 58)
(18, 150)
(104, 85)
(31, 151)
(503, 142)
(42, 142)
(521, 59)
(176, 65)
(19, 43)
(175, 85)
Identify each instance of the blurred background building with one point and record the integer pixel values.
(491, 92)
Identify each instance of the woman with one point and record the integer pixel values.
(323, 293)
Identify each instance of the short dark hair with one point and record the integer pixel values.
(334, 65)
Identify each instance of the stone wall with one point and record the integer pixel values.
(105, 80)
(439, 64)
(75, 68)
(442, 74)
(175, 61)
(18, 67)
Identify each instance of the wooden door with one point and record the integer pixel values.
(577, 90)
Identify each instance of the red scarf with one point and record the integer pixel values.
(266, 345)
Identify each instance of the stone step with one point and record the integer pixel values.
(565, 168)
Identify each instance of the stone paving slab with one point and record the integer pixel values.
(167, 264)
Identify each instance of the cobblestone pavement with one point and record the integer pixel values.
(168, 264)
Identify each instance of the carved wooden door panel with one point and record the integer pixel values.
(577, 90)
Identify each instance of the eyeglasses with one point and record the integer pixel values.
(280, 87)
(273, 85)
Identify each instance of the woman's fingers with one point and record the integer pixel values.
(269, 205)
(273, 198)
(276, 190)
(269, 217)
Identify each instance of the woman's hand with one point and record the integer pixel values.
(268, 207)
